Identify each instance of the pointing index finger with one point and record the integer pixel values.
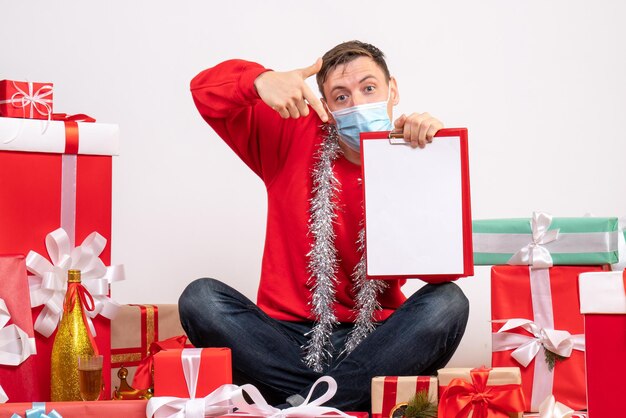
(315, 103)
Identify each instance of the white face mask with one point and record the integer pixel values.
(367, 117)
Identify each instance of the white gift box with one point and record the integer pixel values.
(33, 135)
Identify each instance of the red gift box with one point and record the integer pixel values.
(24, 99)
(39, 192)
(95, 409)
(213, 370)
(17, 380)
(544, 303)
(603, 303)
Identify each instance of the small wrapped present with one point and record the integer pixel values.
(135, 329)
(537, 326)
(25, 99)
(17, 342)
(172, 369)
(483, 392)
(603, 303)
(542, 241)
(47, 181)
(391, 394)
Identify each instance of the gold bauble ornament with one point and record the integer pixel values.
(72, 340)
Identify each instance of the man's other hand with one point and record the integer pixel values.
(287, 92)
(418, 128)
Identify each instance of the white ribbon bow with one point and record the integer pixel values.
(224, 399)
(550, 408)
(49, 281)
(3, 395)
(23, 99)
(534, 254)
(526, 347)
(15, 345)
(307, 409)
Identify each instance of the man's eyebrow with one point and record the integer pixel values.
(340, 87)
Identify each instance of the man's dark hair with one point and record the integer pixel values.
(346, 52)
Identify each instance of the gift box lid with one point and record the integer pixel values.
(602, 292)
(497, 375)
(31, 135)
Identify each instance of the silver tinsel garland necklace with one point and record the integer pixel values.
(323, 263)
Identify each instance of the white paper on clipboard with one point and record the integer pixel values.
(413, 208)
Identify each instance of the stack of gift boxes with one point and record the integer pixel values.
(55, 194)
(546, 273)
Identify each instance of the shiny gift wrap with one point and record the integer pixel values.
(73, 338)
(480, 393)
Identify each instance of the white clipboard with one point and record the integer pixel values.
(417, 207)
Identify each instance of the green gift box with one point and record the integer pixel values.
(543, 241)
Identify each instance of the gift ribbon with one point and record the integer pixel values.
(526, 347)
(550, 408)
(33, 99)
(15, 345)
(390, 393)
(76, 291)
(543, 242)
(461, 397)
(226, 397)
(143, 374)
(39, 411)
(541, 295)
(48, 284)
(534, 253)
(3, 395)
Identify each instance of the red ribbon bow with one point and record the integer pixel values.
(143, 375)
(460, 398)
(77, 290)
(71, 129)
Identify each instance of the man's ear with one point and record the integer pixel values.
(395, 93)
(331, 120)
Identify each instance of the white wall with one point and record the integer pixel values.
(540, 84)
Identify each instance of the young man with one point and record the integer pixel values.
(317, 314)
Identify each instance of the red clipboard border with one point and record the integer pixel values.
(468, 258)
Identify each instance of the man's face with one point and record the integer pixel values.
(358, 82)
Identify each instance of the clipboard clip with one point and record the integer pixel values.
(397, 138)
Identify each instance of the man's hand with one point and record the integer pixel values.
(418, 128)
(287, 93)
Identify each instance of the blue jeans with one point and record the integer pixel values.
(417, 339)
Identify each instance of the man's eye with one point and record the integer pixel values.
(341, 98)
(370, 89)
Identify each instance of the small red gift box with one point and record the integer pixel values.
(543, 306)
(212, 366)
(24, 99)
(17, 379)
(389, 393)
(42, 188)
(603, 303)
